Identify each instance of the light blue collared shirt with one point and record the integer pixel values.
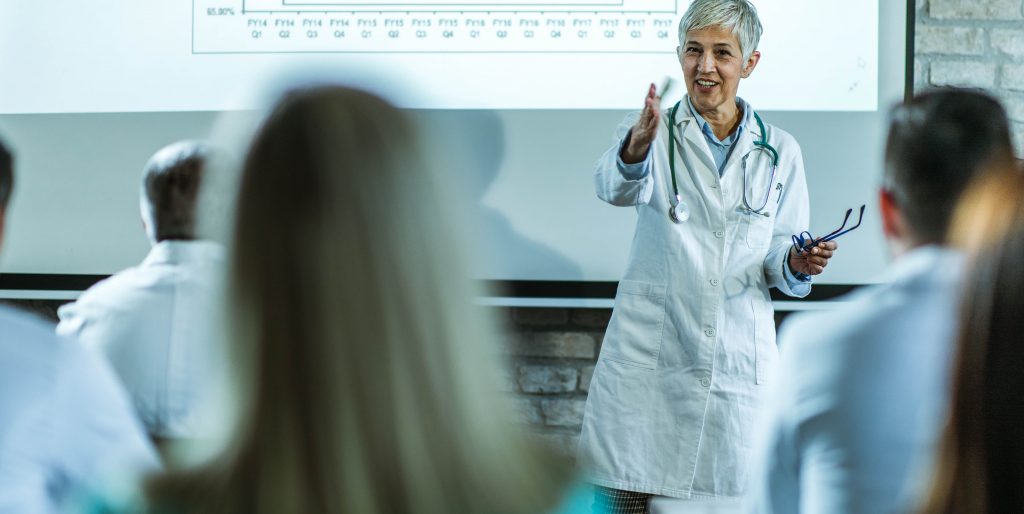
(720, 149)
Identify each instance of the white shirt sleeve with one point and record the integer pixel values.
(792, 217)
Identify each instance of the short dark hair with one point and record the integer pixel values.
(938, 142)
(6, 175)
(170, 185)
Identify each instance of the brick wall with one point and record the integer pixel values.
(552, 353)
(977, 43)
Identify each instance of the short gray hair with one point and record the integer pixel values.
(738, 15)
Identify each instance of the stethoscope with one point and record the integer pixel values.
(678, 212)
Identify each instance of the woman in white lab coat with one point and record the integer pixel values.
(691, 342)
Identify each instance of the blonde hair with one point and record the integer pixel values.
(366, 375)
(979, 468)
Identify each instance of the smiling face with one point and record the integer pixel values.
(712, 68)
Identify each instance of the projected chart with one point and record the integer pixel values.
(420, 26)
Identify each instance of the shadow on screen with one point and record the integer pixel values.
(471, 147)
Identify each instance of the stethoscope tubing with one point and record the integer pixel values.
(676, 199)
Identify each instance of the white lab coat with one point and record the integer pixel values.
(691, 341)
(154, 324)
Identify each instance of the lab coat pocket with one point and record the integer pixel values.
(759, 230)
(766, 353)
(635, 331)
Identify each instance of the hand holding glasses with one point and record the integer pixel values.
(804, 241)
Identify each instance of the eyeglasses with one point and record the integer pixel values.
(804, 241)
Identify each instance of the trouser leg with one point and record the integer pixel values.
(617, 501)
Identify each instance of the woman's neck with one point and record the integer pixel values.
(723, 120)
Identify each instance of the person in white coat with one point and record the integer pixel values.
(691, 342)
(66, 426)
(153, 321)
(853, 428)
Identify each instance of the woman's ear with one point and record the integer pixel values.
(751, 63)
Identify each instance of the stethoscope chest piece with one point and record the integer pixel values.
(679, 212)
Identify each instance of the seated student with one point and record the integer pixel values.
(151, 321)
(364, 374)
(980, 466)
(852, 425)
(65, 423)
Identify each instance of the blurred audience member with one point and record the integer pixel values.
(980, 467)
(852, 426)
(364, 375)
(65, 423)
(152, 321)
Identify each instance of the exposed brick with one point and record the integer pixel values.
(586, 374)
(963, 73)
(548, 379)
(920, 74)
(1013, 77)
(975, 9)
(540, 317)
(571, 345)
(528, 410)
(563, 412)
(562, 443)
(1008, 41)
(930, 39)
(592, 318)
(507, 381)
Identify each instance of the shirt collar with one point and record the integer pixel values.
(705, 128)
(178, 251)
(938, 262)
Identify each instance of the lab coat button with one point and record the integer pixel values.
(714, 282)
(719, 234)
(710, 332)
(706, 382)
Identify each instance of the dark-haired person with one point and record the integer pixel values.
(151, 321)
(66, 426)
(853, 424)
(980, 466)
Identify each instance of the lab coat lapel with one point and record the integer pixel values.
(743, 145)
(696, 159)
(694, 141)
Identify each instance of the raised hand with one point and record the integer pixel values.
(645, 129)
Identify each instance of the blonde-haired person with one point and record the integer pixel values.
(980, 465)
(365, 375)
